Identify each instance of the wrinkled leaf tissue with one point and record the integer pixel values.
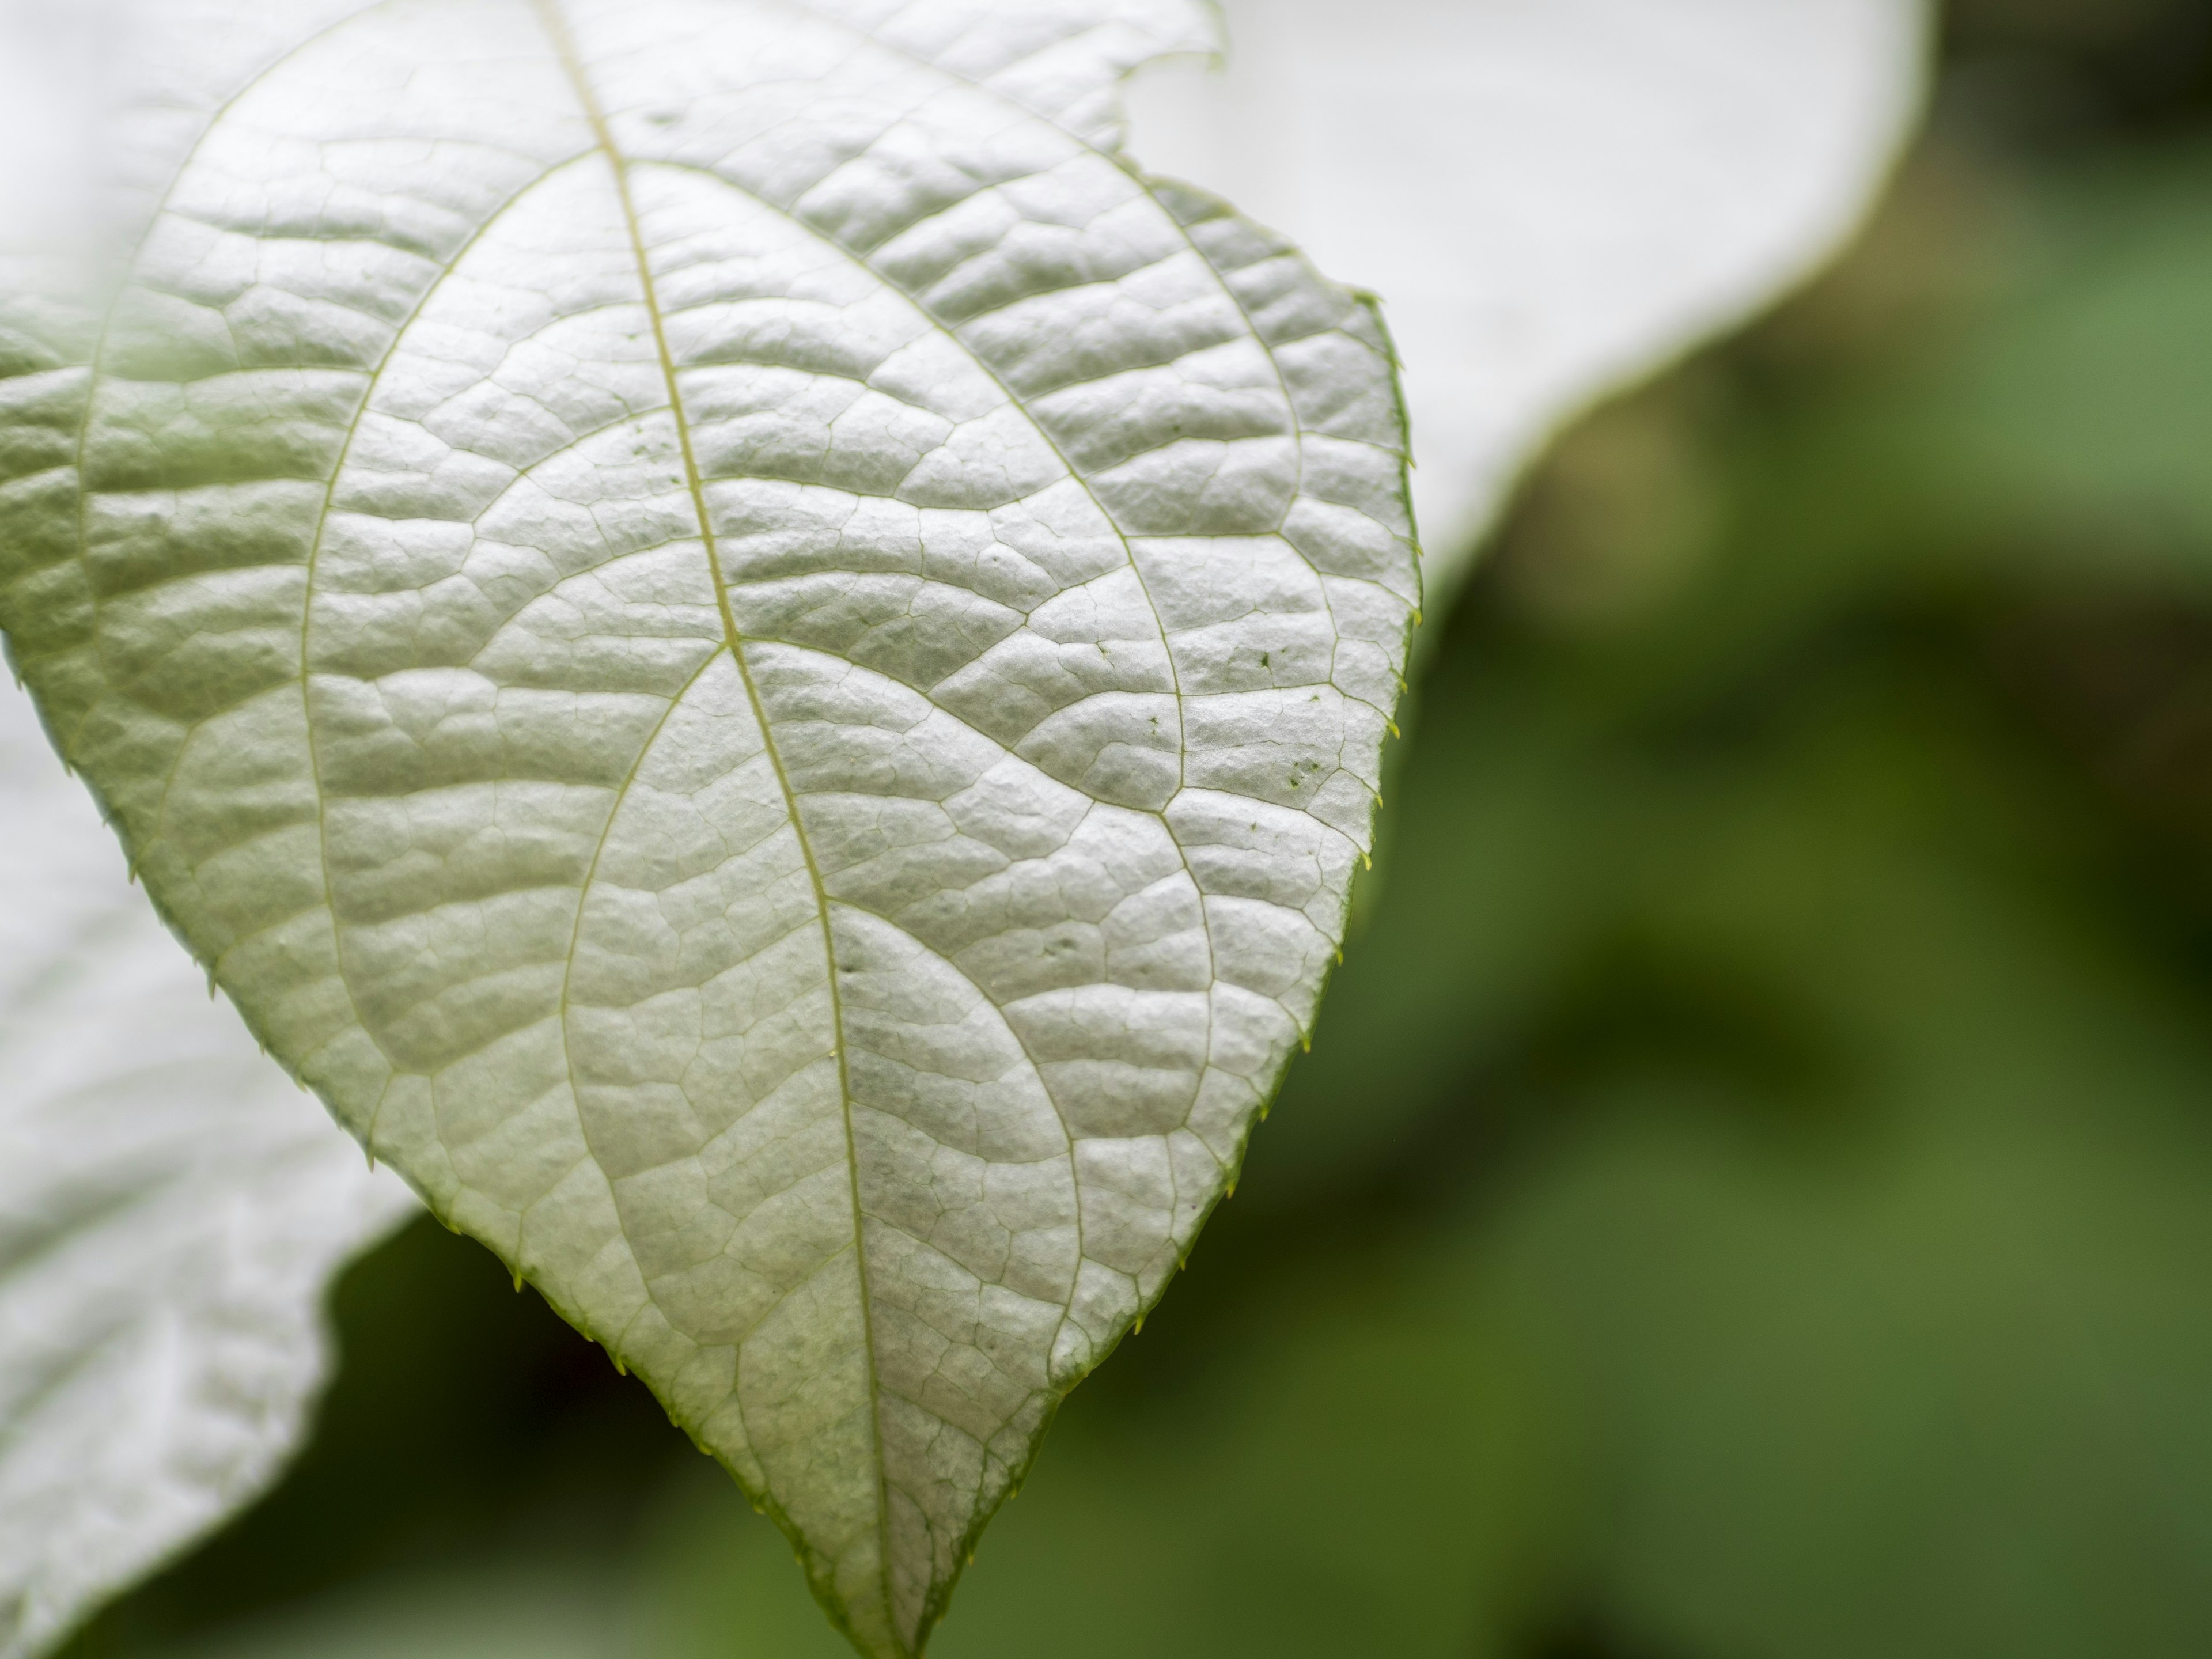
(762, 663)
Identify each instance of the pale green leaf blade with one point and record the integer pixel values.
(762, 664)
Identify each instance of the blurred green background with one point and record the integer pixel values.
(1751, 1193)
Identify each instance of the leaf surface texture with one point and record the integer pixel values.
(763, 663)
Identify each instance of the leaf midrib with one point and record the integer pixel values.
(556, 32)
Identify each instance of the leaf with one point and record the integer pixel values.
(1554, 196)
(170, 1210)
(764, 666)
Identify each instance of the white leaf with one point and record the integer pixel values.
(766, 667)
(1553, 197)
(171, 1208)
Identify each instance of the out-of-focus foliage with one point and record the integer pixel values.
(1752, 1190)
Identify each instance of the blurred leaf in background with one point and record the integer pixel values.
(1751, 1193)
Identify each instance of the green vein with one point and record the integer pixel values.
(557, 30)
(606, 834)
